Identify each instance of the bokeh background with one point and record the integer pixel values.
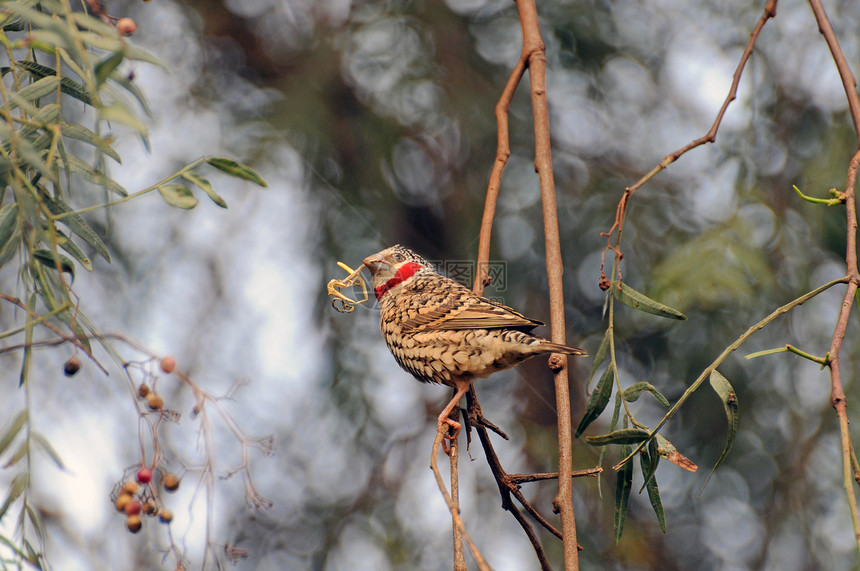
(373, 124)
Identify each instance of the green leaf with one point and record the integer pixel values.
(20, 453)
(730, 402)
(47, 448)
(206, 186)
(599, 357)
(648, 460)
(39, 88)
(13, 429)
(668, 452)
(19, 484)
(75, 165)
(77, 225)
(623, 436)
(81, 133)
(623, 486)
(8, 224)
(178, 195)
(598, 400)
(108, 65)
(52, 259)
(651, 483)
(121, 114)
(633, 392)
(236, 169)
(629, 296)
(67, 86)
(74, 250)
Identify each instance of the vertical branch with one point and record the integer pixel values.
(533, 46)
(503, 151)
(837, 392)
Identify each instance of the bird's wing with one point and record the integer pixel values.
(473, 312)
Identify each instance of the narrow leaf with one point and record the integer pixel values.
(668, 451)
(648, 460)
(67, 86)
(107, 66)
(623, 436)
(623, 487)
(629, 296)
(653, 490)
(8, 224)
(47, 448)
(78, 226)
(206, 186)
(81, 133)
(727, 394)
(14, 428)
(236, 169)
(52, 260)
(598, 401)
(632, 393)
(599, 357)
(74, 250)
(178, 195)
(121, 114)
(19, 484)
(75, 165)
(39, 88)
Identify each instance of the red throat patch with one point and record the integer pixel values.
(405, 272)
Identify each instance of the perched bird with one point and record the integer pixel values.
(441, 332)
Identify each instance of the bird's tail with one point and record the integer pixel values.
(565, 349)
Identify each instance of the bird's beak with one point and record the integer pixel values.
(375, 263)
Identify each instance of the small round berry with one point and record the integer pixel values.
(149, 508)
(126, 26)
(129, 488)
(72, 366)
(168, 364)
(133, 523)
(143, 390)
(132, 508)
(165, 516)
(154, 401)
(122, 501)
(144, 475)
(170, 483)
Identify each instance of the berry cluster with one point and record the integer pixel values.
(136, 498)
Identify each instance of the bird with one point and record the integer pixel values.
(440, 331)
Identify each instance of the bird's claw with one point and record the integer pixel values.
(443, 427)
(341, 302)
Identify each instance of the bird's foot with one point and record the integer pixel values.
(449, 429)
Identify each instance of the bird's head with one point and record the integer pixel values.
(394, 267)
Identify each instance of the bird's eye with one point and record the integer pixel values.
(398, 257)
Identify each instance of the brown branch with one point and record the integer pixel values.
(837, 392)
(533, 46)
(503, 151)
(709, 137)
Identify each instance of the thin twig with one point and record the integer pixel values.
(709, 137)
(452, 507)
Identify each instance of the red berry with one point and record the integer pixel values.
(132, 508)
(168, 364)
(126, 26)
(144, 475)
